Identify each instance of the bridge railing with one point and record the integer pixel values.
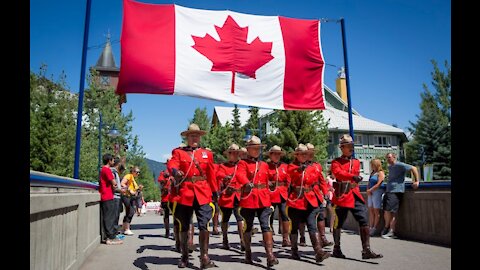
(64, 221)
(424, 215)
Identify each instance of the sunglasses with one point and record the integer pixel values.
(137, 172)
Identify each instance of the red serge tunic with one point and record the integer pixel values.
(344, 169)
(321, 188)
(228, 169)
(165, 191)
(310, 178)
(202, 190)
(259, 197)
(278, 172)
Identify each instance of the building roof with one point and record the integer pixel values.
(106, 60)
(339, 121)
(225, 114)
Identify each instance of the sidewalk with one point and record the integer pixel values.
(148, 249)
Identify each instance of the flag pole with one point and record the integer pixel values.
(349, 99)
(76, 165)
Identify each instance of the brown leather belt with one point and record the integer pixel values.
(259, 186)
(194, 179)
(231, 189)
(343, 187)
(305, 189)
(280, 184)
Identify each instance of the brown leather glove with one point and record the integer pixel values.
(357, 178)
(247, 187)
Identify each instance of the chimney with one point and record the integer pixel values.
(341, 84)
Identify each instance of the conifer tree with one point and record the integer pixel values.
(432, 133)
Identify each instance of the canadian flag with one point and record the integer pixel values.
(263, 61)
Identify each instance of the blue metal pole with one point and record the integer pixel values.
(100, 123)
(349, 99)
(76, 165)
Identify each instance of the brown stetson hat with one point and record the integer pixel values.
(193, 128)
(301, 148)
(346, 139)
(255, 142)
(232, 148)
(275, 149)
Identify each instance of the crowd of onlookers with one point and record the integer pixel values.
(117, 194)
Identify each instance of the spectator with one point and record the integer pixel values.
(117, 170)
(129, 189)
(375, 192)
(106, 186)
(395, 189)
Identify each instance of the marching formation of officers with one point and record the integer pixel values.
(248, 187)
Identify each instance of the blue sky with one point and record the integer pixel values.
(390, 45)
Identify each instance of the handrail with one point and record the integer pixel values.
(423, 185)
(40, 179)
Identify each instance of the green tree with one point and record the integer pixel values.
(219, 140)
(252, 122)
(432, 133)
(51, 125)
(237, 131)
(100, 99)
(294, 127)
(53, 110)
(201, 118)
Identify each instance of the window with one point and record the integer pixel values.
(358, 140)
(382, 141)
(105, 80)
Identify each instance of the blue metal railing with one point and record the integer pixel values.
(39, 179)
(423, 185)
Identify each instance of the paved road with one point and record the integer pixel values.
(149, 249)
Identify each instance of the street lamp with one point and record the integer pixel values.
(113, 133)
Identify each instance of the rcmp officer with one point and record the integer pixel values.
(244, 155)
(252, 174)
(279, 180)
(173, 197)
(229, 199)
(346, 170)
(322, 190)
(303, 202)
(194, 173)
(164, 180)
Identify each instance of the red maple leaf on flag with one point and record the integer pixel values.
(232, 52)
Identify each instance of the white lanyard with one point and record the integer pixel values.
(253, 181)
(189, 167)
(301, 187)
(233, 176)
(276, 180)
